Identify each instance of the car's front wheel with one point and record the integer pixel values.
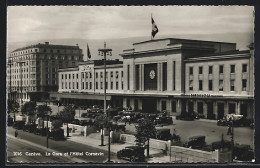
(132, 159)
(119, 156)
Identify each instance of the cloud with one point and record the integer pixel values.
(104, 22)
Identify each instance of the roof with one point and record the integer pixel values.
(181, 40)
(39, 45)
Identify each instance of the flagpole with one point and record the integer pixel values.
(152, 26)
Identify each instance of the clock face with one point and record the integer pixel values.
(152, 74)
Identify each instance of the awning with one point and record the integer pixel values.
(79, 96)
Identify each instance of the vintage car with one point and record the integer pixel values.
(243, 152)
(86, 122)
(30, 127)
(75, 121)
(57, 134)
(238, 120)
(18, 124)
(163, 120)
(118, 126)
(221, 145)
(133, 153)
(163, 134)
(188, 116)
(40, 131)
(195, 142)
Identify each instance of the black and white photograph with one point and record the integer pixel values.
(130, 84)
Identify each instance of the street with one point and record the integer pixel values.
(59, 146)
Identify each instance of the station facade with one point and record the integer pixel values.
(176, 75)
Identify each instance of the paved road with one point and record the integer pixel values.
(61, 146)
(186, 129)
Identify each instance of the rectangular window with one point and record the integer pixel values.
(73, 85)
(90, 85)
(111, 85)
(69, 76)
(164, 76)
(232, 85)
(77, 76)
(77, 84)
(122, 74)
(244, 68)
(173, 80)
(86, 85)
(128, 77)
(96, 75)
(173, 106)
(101, 74)
(86, 74)
(111, 74)
(221, 83)
(221, 69)
(210, 69)
(191, 85)
(73, 76)
(61, 76)
(244, 82)
(106, 85)
(210, 85)
(62, 87)
(137, 77)
(82, 86)
(116, 85)
(82, 75)
(116, 74)
(200, 70)
(101, 85)
(96, 85)
(122, 85)
(191, 71)
(200, 85)
(232, 69)
(65, 76)
(69, 85)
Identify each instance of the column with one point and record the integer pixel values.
(142, 77)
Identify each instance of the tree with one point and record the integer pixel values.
(101, 122)
(67, 115)
(43, 111)
(29, 108)
(144, 131)
(56, 124)
(12, 106)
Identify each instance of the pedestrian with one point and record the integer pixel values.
(16, 133)
(229, 130)
(129, 121)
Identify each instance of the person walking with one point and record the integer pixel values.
(16, 133)
(229, 130)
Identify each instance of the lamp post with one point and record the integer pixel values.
(47, 132)
(104, 52)
(21, 83)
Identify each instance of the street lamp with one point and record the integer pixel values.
(47, 132)
(104, 52)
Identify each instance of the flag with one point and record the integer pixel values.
(154, 28)
(89, 54)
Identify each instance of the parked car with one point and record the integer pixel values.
(195, 142)
(86, 122)
(163, 134)
(18, 124)
(187, 116)
(221, 145)
(134, 153)
(163, 120)
(75, 121)
(57, 134)
(238, 120)
(40, 131)
(243, 152)
(30, 127)
(118, 126)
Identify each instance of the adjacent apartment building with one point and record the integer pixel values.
(33, 70)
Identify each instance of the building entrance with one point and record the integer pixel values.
(220, 110)
(149, 105)
(210, 114)
(243, 109)
(232, 108)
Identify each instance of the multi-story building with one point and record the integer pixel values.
(34, 69)
(176, 75)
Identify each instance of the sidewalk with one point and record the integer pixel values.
(94, 140)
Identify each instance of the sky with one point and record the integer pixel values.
(30, 23)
